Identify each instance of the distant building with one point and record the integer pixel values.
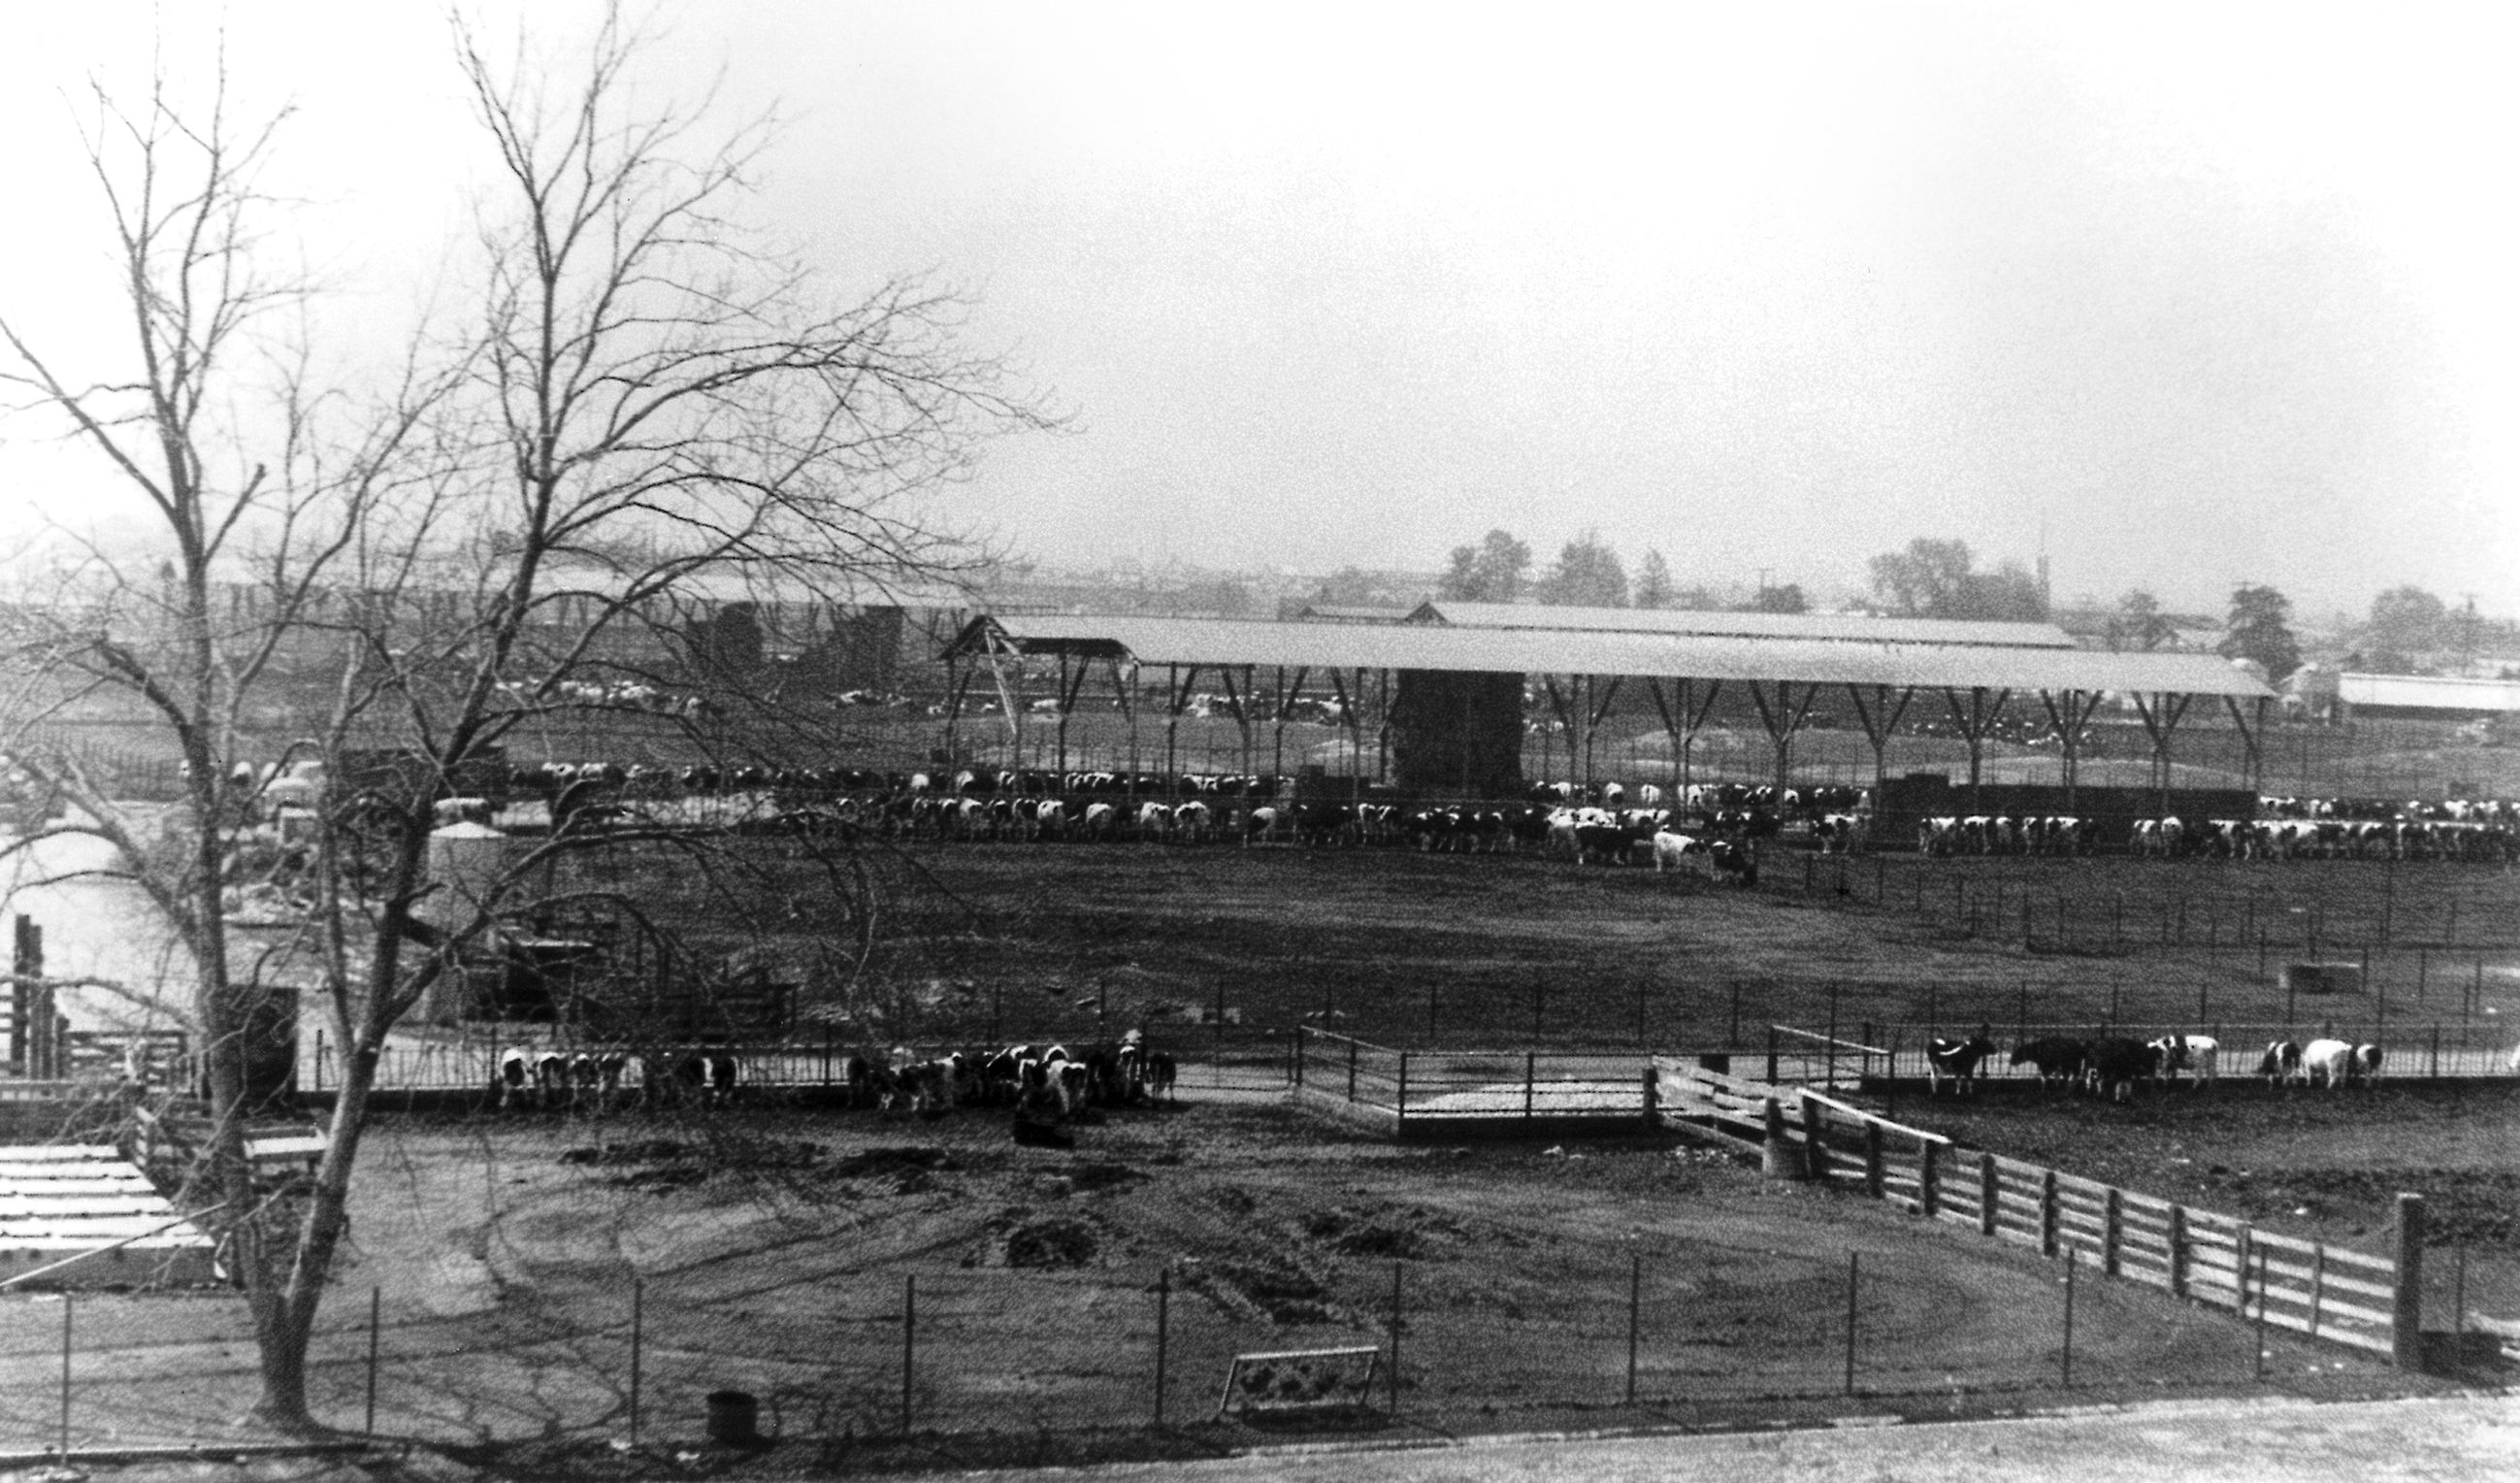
(2423, 697)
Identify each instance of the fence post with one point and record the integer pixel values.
(2407, 1313)
(2047, 1212)
(1929, 1198)
(638, 1339)
(1653, 1097)
(1163, 1334)
(2069, 1320)
(1990, 1194)
(69, 1299)
(2112, 1222)
(1351, 1070)
(1849, 1322)
(375, 1321)
(2179, 1251)
(2318, 1282)
(2261, 1338)
(1395, 1338)
(1873, 1157)
(909, 1341)
(2436, 1050)
(1815, 1151)
(1772, 1046)
(1299, 1056)
(1635, 1291)
(1530, 1078)
(1400, 1094)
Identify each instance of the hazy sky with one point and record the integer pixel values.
(2218, 293)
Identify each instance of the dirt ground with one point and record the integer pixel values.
(775, 1250)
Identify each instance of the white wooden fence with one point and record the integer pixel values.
(2326, 1292)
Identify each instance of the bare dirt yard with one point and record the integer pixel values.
(777, 1249)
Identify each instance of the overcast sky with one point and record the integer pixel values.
(2217, 292)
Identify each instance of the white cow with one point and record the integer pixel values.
(2328, 1062)
(1680, 852)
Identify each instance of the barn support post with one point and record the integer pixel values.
(1783, 719)
(2066, 725)
(1880, 720)
(1235, 701)
(1010, 695)
(1974, 723)
(1129, 715)
(2407, 1312)
(2252, 754)
(1065, 698)
(2160, 722)
(1990, 1195)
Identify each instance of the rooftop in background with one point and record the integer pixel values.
(1826, 627)
(1236, 644)
(2427, 693)
(1335, 612)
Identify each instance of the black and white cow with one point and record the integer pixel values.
(1956, 1061)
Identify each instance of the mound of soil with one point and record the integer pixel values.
(1269, 1287)
(879, 1163)
(1088, 1178)
(1386, 1234)
(651, 1151)
(1052, 1244)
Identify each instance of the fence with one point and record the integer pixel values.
(1440, 1091)
(2311, 1287)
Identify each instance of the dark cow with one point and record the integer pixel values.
(2057, 1057)
(2114, 1064)
(1956, 1059)
(2281, 1063)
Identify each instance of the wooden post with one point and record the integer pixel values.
(1530, 1078)
(1400, 1094)
(1873, 1157)
(1851, 1288)
(2112, 1222)
(1636, 1293)
(2069, 1318)
(1351, 1070)
(2260, 1346)
(1990, 1195)
(1929, 1199)
(2407, 1313)
(909, 1341)
(1395, 1338)
(376, 1322)
(2047, 1212)
(638, 1335)
(1163, 1334)
(2318, 1282)
(2179, 1251)
(1815, 1151)
(69, 1299)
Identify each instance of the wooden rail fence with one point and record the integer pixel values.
(2310, 1288)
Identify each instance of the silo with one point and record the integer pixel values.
(467, 863)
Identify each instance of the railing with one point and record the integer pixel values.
(1458, 1087)
(2325, 1291)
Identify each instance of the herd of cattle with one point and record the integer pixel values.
(1709, 823)
(2113, 1065)
(2286, 829)
(1041, 1079)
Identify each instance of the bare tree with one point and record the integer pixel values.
(643, 400)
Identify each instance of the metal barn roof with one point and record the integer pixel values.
(1850, 627)
(2428, 692)
(1207, 642)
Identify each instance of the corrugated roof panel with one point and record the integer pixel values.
(1818, 661)
(1854, 627)
(2428, 692)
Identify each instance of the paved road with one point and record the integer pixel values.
(2189, 1442)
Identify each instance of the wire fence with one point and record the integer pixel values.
(1646, 1323)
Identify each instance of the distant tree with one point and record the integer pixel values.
(1588, 575)
(2139, 622)
(2009, 593)
(1786, 599)
(1349, 587)
(1929, 579)
(1696, 599)
(1653, 587)
(1492, 572)
(2410, 620)
(1937, 579)
(2259, 629)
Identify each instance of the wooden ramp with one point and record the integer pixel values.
(59, 1201)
